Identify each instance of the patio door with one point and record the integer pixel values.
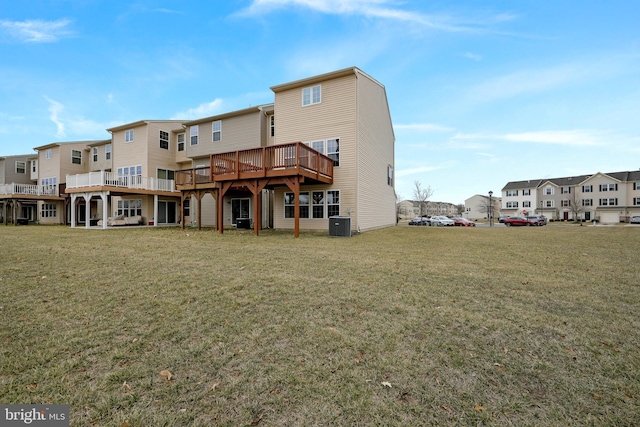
(27, 211)
(239, 209)
(166, 212)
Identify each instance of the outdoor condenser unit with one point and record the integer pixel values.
(340, 226)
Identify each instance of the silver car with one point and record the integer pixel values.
(441, 220)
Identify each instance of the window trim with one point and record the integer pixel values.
(77, 156)
(94, 154)
(309, 95)
(165, 140)
(193, 133)
(129, 136)
(24, 167)
(180, 146)
(215, 131)
(328, 209)
(107, 151)
(49, 210)
(48, 153)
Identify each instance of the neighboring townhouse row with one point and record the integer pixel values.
(324, 147)
(605, 197)
(408, 209)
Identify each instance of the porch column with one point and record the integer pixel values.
(155, 210)
(73, 210)
(105, 209)
(87, 210)
(224, 187)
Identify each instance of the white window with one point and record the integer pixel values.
(217, 130)
(181, 142)
(636, 201)
(317, 198)
(565, 203)
(128, 136)
(565, 190)
(130, 174)
(273, 125)
(548, 204)
(389, 175)
(76, 157)
(321, 204)
(49, 210)
(49, 181)
(548, 191)
(587, 188)
(609, 202)
(333, 150)
(333, 203)
(130, 207)
(526, 204)
(512, 205)
(193, 133)
(587, 202)
(34, 166)
(95, 154)
(48, 154)
(512, 193)
(318, 146)
(166, 174)
(164, 140)
(186, 206)
(107, 150)
(21, 167)
(526, 192)
(636, 185)
(311, 95)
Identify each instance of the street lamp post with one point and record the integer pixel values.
(490, 209)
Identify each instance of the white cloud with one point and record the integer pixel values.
(423, 127)
(473, 56)
(37, 31)
(203, 110)
(55, 109)
(376, 9)
(578, 138)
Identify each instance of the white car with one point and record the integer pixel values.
(441, 220)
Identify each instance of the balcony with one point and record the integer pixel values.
(29, 190)
(277, 161)
(114, 182)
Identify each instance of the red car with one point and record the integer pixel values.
(518, 220)
(463, 222)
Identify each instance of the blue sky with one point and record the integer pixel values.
(481, 93)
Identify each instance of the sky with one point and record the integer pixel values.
(480, 93)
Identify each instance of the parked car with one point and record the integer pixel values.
(419, 221)
(635, 220)
(441, 220)
(518, 220)
(463, 222)
(538, 219)
(502, 218)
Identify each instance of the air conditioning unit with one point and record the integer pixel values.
(245, 223)
(340, 226)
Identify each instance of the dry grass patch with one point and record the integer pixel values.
(403, 326)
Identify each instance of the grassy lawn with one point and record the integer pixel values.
(404, 326)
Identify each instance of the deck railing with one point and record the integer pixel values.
(29, 189)
(275, 160)
(111, 179)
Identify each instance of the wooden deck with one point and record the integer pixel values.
(255, 169)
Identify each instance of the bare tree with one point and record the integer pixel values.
(488, 207)
(422, 196)
(575, 205)
(460, 208)
(400, 210)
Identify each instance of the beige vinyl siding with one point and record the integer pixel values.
(102, 163)
(131, 153)
(376, 199)
(160, 158)
(8, 173)
(334, 117)
(238, 133)
(60, 212)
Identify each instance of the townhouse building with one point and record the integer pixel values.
(323, 148)
(17, 188)
(605, 197)
(480, 206)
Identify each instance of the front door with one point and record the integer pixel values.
(239, 209)
(166, 212)
(587, 215)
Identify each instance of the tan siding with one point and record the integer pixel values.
(8, 173)
(238, 133)
(160, 158)
(376, 199)
(334, 117)
(130, 153)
